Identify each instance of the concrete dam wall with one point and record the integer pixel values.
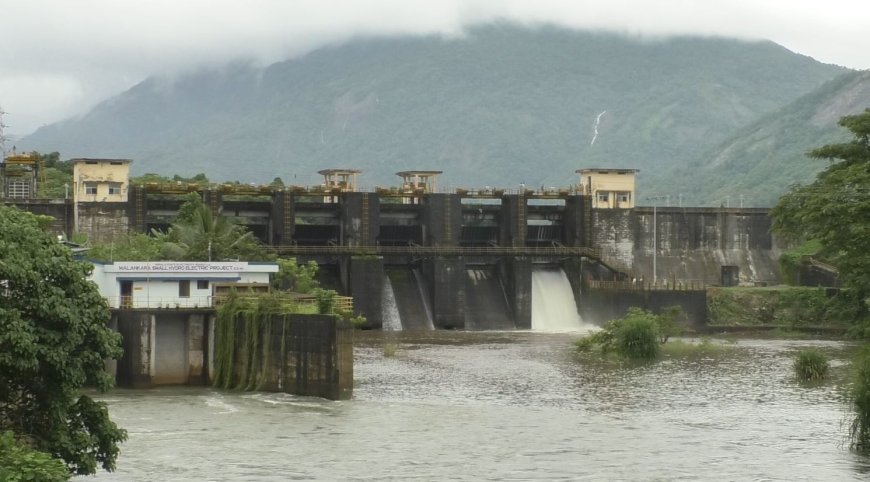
(688, 244)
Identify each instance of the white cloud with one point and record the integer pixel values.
(59, 58)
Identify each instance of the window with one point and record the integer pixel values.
(91, 188)
(623, 197)
(603, 196)
(18, 189)
(184, 288)
(114, 188)
(202, 284)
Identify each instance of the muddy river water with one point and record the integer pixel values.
(507, 406)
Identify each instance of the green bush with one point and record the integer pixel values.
(637, 336)
(19, 463)
(811, 365)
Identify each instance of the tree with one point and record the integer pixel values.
(197, 235)
(834, 210)
(54, 340)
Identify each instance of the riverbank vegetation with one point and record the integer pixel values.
(54, 340)
(784, 307)
(811, 365)
(638, 335)
(833, 212)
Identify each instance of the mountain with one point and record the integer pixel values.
(760, 161)
(500, 105)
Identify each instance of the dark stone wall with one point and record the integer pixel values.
(516, 276)
(102, 222)
(599, 306)
(134, 367)
(366, 286)
(512, 227)
(310, 355)
(690, 244)
(447, 284)
(576, 220)
(59, 209)
(442, 219)
(360, 218)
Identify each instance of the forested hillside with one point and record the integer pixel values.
(760, 161)
(501, 105)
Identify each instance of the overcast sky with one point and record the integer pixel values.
(58, 58)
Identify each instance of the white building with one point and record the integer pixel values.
(172, 284)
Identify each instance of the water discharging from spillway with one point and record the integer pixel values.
(389, 310)
(553, 305)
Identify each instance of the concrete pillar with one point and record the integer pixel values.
(366, 280)
(442, 219)
(512, 228)
(211, 322)
(282, 218)
(214, 199)
(137, 208)
(136, 367)
(577, 221)
(447, 279)
(517, 279)
(360, 218)
(196, 349)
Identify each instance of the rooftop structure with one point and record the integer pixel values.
(344, 180)
(101, 180)
(19, 174)
(609, 187)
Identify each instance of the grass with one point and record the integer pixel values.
(811, 364)
(859, 398)
(390, 348)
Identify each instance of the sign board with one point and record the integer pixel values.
(176, 267)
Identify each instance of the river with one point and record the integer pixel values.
(506, 406)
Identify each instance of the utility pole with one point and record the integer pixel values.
(655, 236)
(2, 135)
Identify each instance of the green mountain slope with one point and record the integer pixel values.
(502, 105)
(760, 161)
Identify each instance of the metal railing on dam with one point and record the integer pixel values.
(423, 251)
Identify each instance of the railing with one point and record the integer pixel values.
(158, 302)
(305, 302)
(548, 251)
(293, 301)
(665, 285)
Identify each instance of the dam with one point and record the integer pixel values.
(461, 258)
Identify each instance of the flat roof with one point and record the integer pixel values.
(95, 159)
(418, 173)
(606, 169)
(338, 171)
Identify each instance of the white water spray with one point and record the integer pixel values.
(389, 310)
(595, 127)
(553, 306)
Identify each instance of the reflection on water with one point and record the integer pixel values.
(513, 405)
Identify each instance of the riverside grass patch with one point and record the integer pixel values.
(811, 365)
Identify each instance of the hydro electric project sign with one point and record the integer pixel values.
(176, 267)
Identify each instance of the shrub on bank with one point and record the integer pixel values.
(811, 365)
(859, 397)
(636, 335)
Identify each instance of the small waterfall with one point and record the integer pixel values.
(553, 304)
(424, 298)
(389, 310)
